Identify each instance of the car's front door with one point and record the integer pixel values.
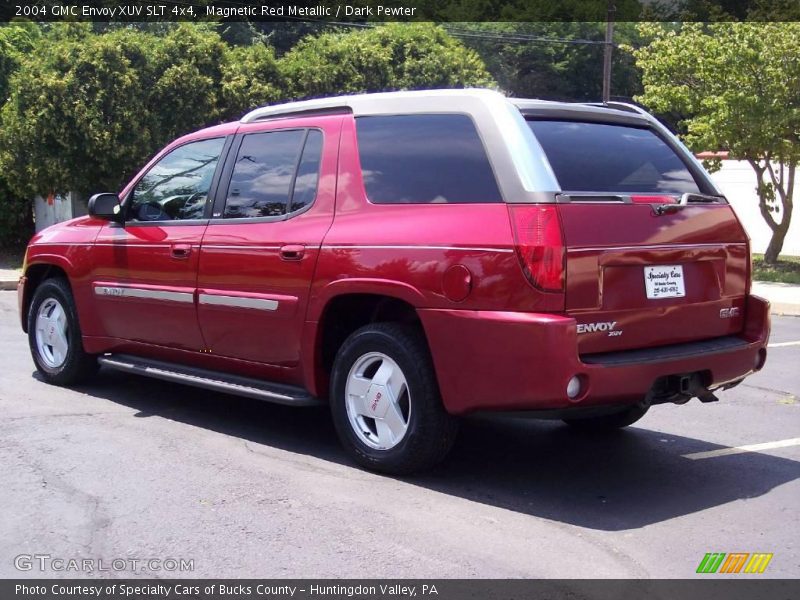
(145, 275)
(257, 259)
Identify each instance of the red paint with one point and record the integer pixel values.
(457, 283)
(499, 288)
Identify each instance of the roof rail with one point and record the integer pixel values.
(628, 106)
(375, 103)
(296, 108)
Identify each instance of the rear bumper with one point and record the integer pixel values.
(512, 361)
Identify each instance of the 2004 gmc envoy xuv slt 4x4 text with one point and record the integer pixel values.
(408, 258)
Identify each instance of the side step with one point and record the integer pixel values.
(210, 380)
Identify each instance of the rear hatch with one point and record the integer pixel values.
(653, 256)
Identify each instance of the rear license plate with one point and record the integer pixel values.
(664, 281)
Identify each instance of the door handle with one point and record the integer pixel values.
(292, 251)
(180, 251)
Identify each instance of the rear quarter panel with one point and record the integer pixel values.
(404, 250)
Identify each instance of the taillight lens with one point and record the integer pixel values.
(540, 245)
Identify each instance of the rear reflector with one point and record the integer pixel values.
(539, 244)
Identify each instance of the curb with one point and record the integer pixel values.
(785, 310)
(784, 298)
(8, 284)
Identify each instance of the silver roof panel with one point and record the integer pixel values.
(519, 162)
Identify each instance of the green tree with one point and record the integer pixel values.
(88, 104)
(188, 89)
(389, 57)
(16, 213)
(552, 60)
(251, 78)
(86, 110)
(738, 87)
(15, 40)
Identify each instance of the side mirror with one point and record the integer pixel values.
(105, 206)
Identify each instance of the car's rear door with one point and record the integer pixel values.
(258, 254)
(653, 256)
(145, 272)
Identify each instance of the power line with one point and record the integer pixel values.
(485, 35)
(515, 37)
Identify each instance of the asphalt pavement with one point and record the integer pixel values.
(135, 469)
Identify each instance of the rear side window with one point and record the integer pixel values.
(275, 173)
(598, 157)
(424, 159)
(305, 184)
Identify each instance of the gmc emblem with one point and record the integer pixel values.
(729, 313)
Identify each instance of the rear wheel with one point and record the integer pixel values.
(54, 335)
(385, 400)
(617, 420)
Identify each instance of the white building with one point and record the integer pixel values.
(737, 181)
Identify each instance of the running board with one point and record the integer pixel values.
(210, 380)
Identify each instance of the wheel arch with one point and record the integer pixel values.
(343, 313)
(35, 274)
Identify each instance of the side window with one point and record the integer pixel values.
(424, 159)
(305, 184)
(177, 186)
(275, 173)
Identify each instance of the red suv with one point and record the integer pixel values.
(409, 258)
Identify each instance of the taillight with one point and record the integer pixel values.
(540, 244)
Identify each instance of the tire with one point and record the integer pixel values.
(54, 335)
(617, 420)
(398, 426)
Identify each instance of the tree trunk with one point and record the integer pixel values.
(775, 244)
(786, 196)
(783, 196)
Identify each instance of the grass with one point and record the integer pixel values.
(786, 270)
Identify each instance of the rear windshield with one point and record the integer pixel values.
(598, 157)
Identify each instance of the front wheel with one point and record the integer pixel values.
(617, 420)
(385, 400)
(54, 335)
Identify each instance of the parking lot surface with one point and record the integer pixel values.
(132, 468)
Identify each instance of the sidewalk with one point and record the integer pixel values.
(9, 278)
(784, 297)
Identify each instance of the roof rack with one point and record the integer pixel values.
(629, 106)
(360, 104)
(297, 108)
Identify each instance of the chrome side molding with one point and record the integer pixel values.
(120, 291)
(237, 301)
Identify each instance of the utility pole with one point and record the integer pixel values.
(609, 46)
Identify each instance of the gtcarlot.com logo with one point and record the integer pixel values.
(735, 562)
(47, 562)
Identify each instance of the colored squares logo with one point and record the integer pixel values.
(734, 562)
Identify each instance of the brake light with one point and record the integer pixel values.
(539, 244)
(653, 200)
